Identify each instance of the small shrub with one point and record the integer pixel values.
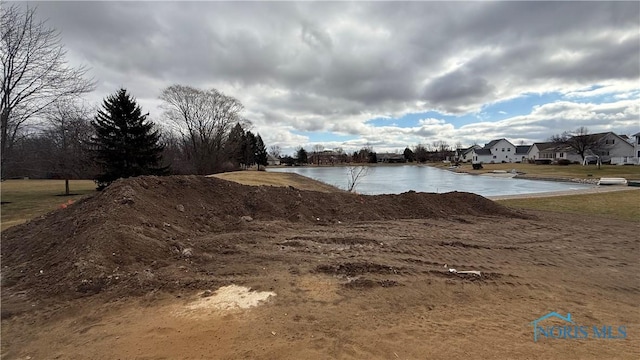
(564, 162)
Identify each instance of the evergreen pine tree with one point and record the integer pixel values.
(301, 154)
(261, 152)
(125, 144)
(234, 145)
(249, 147)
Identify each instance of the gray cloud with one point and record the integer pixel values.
(331, 66)
(315, 37)
(456, 89)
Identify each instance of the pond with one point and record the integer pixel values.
(399, 179)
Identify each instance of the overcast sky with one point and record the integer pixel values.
(388, 74)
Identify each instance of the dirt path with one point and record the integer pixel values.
(365, 290)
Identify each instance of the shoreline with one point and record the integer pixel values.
(590, 186)
(590, 180)
(592, 190)
(523, 176)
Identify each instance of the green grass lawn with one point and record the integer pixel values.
(624, 205)
(629, 172)
(25, 199)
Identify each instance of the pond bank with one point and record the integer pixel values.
(592, 190)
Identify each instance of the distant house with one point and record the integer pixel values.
(465, 154)
(496, 151)
(610, 148)
(272, 160)
(390, 158)
(542, 150)
(636, 147)
(615, 148)
(328, 157)
(481, 155)
(522, 152)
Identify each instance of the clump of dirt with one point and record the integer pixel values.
(361, 283)
(461, 244)
(134, 236)
(352, 269)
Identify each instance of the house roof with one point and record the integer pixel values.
(466, 151)
(469, 149)
(483, 151)
(523, 149)
(390, 156)
(544, 145)
(600, 137)
(327, 153)
(493, 142)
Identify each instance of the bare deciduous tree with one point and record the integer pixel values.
(355, 174)
(35, 72)
(204, 118)
(69, 131)
(579, 141)
(173, 153)
(317, 149)
(275, 151)
(441, 148)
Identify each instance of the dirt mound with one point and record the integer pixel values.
(135, 235)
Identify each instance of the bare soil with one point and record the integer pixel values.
(122, 274)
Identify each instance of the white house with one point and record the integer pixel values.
(611, 148)
(619, 150)
(540, 150)
(564, 152)
(272, 160)
(466, 155)
(522, 152)
(496, 151)
(636, 147)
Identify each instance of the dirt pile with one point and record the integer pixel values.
(137, 235)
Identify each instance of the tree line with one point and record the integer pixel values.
(47, 131)
(436, 151)
(118, 140)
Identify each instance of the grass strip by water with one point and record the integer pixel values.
(623, 205)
